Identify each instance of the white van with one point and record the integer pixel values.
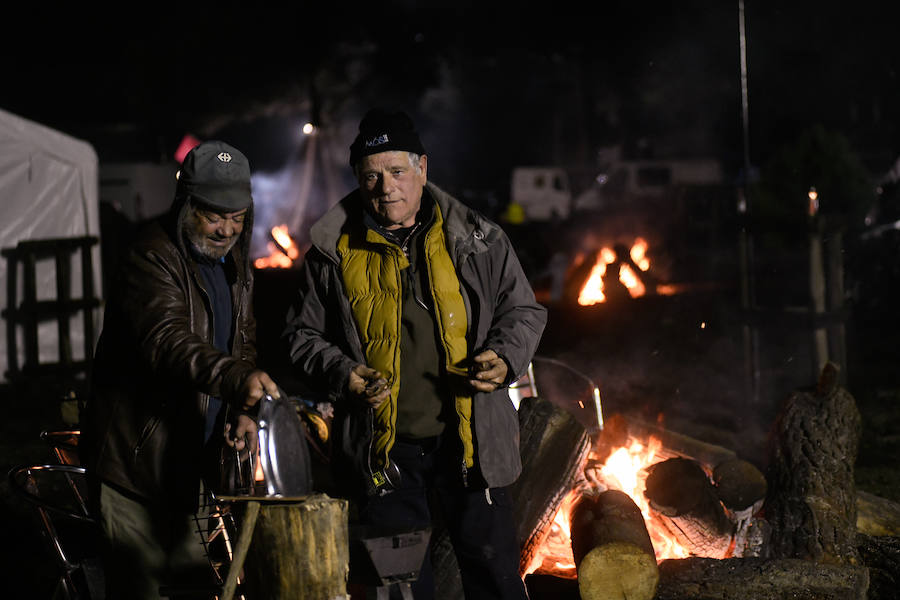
(542, 192)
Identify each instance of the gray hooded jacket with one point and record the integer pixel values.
(503, 315)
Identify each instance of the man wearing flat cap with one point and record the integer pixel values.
(414, 315)
(174, 372)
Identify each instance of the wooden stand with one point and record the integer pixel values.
(290, 548)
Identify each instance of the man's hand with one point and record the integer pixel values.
(257, 385)
(369, 385)
(488, 371)
(246, 431)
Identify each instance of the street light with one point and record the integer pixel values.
(813, 201)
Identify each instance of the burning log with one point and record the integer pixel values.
(613, 552)
(811, 504)
(682, 495)
(739, 484)
(760, 579)
(554, 447)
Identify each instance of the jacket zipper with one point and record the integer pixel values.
(148, 430)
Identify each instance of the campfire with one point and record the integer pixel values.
(631, 265)
(282, 250)
(635, 509)
(625, 469)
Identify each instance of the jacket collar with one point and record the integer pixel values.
(467, 231)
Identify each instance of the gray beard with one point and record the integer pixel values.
(203, 248)
(201, 244)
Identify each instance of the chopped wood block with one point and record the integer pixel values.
(299, 549)
(613, 552)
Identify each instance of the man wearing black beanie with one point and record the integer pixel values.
(414, 315)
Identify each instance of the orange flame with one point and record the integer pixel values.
(282, 252)
(630, 280)
(592, 290)
(626, 470)
(639, 254)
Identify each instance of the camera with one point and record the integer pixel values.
(384, 481)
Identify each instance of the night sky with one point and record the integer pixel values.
(491, 84)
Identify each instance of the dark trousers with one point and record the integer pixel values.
(147, 549)
(479, 520)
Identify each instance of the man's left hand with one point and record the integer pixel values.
(245, 431)
(488, 371)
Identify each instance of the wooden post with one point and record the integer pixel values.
(837, 344)
(817, 297)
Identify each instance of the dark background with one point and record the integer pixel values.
(495, 85)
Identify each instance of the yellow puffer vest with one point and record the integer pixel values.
(371, 270)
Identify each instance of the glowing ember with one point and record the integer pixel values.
(626, 470)
(282, 251)
(592, 290)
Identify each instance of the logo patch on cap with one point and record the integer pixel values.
(224, 157)
(377, 141)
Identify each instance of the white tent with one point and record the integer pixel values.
(48, 189)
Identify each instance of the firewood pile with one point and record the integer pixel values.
(799, 530)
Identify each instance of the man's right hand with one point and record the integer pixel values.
(368, 385)
(257, 385)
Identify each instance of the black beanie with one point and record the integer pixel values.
(383, 131)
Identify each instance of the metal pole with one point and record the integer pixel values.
(745, 251)
(745, 105)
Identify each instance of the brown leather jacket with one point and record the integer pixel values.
(156, 367)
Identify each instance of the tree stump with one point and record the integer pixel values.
(613, 552)
(299, 549)
(681, 494)
(811, 503)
